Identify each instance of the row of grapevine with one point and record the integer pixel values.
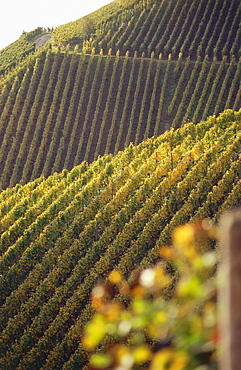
(101, 142)
(149, 34)
(64, 84)
(93, 108)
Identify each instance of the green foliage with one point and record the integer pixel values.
(168, 316)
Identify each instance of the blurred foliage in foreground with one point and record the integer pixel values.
(164, 319)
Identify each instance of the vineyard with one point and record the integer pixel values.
(137, 69)
(125, 126)
(61, 235)
(12, 55)
(75, 107)
(192, 28)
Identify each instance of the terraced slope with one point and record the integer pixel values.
(62, 234)
(61, 109)
(191, 27)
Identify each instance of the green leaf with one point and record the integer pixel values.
(100, 360)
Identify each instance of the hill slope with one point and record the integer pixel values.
(61, 109)
(190, 27)
(62, 234)
(153, 64)
(13, 54)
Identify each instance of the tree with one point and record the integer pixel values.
(87, 27)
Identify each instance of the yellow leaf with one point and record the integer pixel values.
(115, 277)
(167, 252)
(113, 312)
(183, 235)
(168, 359)
(141, 354)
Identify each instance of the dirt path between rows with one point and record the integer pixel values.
(42, 40)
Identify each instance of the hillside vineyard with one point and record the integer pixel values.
(190, 27)
(76, 107)
(62, 234)
(11, 55)
(125, 125)
(125, 73)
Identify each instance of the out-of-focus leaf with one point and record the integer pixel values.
(101, 361)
